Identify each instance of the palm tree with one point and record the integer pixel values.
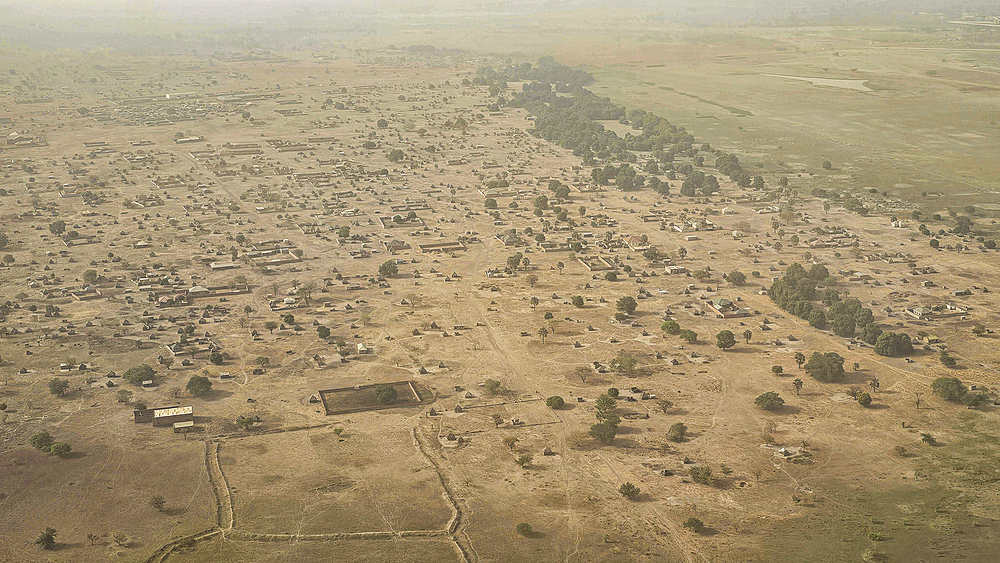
(747, 335)
(542, 333)
(798, 385)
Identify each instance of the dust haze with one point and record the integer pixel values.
(499, 281)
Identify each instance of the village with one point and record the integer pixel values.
(317, 299)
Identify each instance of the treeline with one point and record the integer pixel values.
(796, 291)
(547, 71)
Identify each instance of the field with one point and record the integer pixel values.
(263, 228)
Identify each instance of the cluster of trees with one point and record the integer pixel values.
(697, 182)
(606, 428)
(951, 389)
(795, 293)
(45, 442)
(828, 367)
(546, 70)
(893, 344)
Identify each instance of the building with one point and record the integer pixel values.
(168, 416)
(726, 309)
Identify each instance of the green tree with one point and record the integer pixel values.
(270, 326)
(57, 227)
(979, 329)
(245, 423)
(604, 432)
(58, 386)
(748, 335)
(777, 370)
(626, 304)
(388, 269)
(864, 399)
(524, 460)
(800, 359)
(623, 362)
(216, 357)
(199, 385)
(797, 384)
(736, 277)
(542, 333)
(555, 402)
(665, 405)
(323, 332)
(828, 367)
(525, 529)
(769, 401)
(725, 339)
(949, 388)
(490, 203)
(947, 360)
(577, 301)
(385, 394)
(137, 374)
(629, 491)
(671, 327)
(688, 336)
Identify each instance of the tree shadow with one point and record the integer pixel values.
(216, 395)
(175, 511)
(75, 455)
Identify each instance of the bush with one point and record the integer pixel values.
(613, 392)
(524, 529)
(769, 401)
(899, 451)
(577, 301)
(555, 402)
(604, 432)
(388, 269)
(629, 491)
(694, 524)
(864, 399)
(688, 336)
(61, 449)
(702, 475)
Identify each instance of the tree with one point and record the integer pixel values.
(604, 432)
(777, 370)
(542, 333)
(533, 301)
(800, 359)
(870, 333)
(893, 344)
(381, 124)
(979, 329)
(736, 277)
(61, 449)
(58, 386)
(555, 402)
(497, 420)
(665, 405)
(41, 441)
(629, 491)
(525, 529)
(270, 326)
(510, 442)
(676, 432)
(670, 327)
(828, 367)
(577, 301)
(827, 165)
(388, 269)
(769, 401)
(694, 524)
(90, 276)
(626, 304)
(524, 460)
(688, 336)
(262, 360)
(158, 502)
(198, 385)
(611, 276)
(385, 394)
(864, 399)
(747, 335)
(323, 332)
(247, 310)
(216, 357)
(949, 388)
(725, 339)
(532, 280)
(47, 539)
(490, 203)
(947, 360)
(57, 227)
(928, 439)
(124, 396)
(137, 374)
(797, 384)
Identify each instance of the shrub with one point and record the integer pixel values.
(42, 441)
(694, 524)
(864, 399)
(524, 529)
(702, 475)
(629, 491)
(385, 394)
(676, 432)
(949, 388)
(61, 449)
